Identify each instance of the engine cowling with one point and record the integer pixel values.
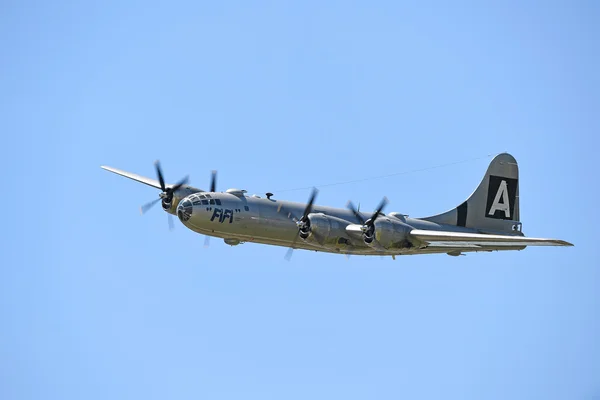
(325, 230)
(389, 233)
(170, 203)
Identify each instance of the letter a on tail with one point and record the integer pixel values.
(497, 205)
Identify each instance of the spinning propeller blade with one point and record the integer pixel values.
(167, 193)
(368, 226)
(213, 181)
(149, 205)
(359, 217)
(379, 209)
(302, 222)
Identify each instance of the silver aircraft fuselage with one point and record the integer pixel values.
(240, 218)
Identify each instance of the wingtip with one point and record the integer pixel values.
(559, 242)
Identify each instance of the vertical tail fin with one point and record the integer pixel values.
(494, 205)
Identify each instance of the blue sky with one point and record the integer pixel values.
(98, 302)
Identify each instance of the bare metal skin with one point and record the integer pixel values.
(489, 220)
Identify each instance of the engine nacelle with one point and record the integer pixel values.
(169, 204)
(390, 234)
(325, 230)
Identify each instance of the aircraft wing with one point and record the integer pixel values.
(135, 177)
(472, 240)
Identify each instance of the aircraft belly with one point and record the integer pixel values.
(255, 233)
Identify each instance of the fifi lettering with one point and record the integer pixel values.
(222, 215)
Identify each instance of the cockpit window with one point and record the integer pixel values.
(208, 196)
(201, 196)
(197, 202)
(205, 202)
(218, 202)
(212, 201)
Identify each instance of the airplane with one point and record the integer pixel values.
(487, 221)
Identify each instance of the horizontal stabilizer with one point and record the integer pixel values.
(461, 239)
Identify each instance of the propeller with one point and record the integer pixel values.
(149, 205)
(303, 223)
(213, 181)
(368, 226)
(167, 192)
(383, 203)
(359, 217)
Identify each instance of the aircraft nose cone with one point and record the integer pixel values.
(184, 210)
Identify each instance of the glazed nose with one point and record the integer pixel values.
(184, 210)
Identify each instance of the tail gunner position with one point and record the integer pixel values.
(488, 220)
